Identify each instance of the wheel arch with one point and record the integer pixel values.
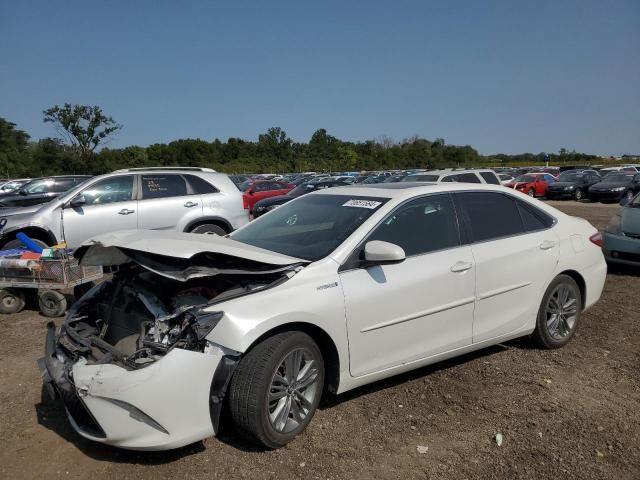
(325, 343)
(221, 222)
(35, 232)
(579, 279)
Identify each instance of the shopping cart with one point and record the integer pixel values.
(47, 277)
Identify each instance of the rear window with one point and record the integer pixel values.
(163, 186)
(200, 186)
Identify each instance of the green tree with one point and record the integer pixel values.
(82, 126)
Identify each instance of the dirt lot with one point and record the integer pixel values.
(573, 413)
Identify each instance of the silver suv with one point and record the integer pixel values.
(196, 200)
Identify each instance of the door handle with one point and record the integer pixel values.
(126, 211)
(461, 267)
(547, 244)
(191, 204)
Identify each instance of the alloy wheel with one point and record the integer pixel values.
(561, 311)
(293, 390)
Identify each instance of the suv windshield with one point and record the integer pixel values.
(311, 226)
(570, 177)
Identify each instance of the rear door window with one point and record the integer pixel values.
(200, 186)
(489, 215)
(163, 186)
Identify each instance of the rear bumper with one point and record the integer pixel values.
(620, 249)
(594, 278)
(163, 406)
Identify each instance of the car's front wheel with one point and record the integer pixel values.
(628, 195)
(578, 194)
(276, 388)
(559, 313)
(531, 192)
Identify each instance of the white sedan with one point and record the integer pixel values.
(333, 290)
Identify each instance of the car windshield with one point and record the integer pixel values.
(310, 227)
(301, 190)
(570, 177)
(244, 185)
(38, 186)
(617, 178)
(526, 179)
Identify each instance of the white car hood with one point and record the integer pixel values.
(181, 255)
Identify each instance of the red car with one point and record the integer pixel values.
(254, 190)
(533, 184)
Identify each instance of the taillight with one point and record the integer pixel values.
(596, 239)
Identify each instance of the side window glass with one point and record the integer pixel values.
(532, 218)
(62, 185)
(200, 186)
(490, 215)
(163, 186)
(110, 190)
(421, 226)
(450, 178)
(490, 177)
(468, 178)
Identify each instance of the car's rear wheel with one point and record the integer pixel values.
(578, 195)
(531, 192)
(559, 313)
(209, 229)
(276, 389)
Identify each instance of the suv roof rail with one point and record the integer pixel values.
(170, 169)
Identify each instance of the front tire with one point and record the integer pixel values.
(276, 389)
(578, 195)
(559, 313)
(628, 195)
(531, 192)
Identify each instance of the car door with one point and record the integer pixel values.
(109, 205)
(515, 253)
(420, 307)
(166, 201)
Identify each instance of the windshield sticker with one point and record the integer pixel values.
(370, 204)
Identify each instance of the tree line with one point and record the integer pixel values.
(83, 133)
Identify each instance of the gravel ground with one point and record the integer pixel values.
(573, 412)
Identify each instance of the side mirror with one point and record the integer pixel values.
(377, 252)
(78, 201)
(22, 192)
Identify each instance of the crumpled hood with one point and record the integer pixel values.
(182, 256)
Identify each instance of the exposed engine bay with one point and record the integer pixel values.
(140, 315)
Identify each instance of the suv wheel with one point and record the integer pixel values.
(578, 194)
(276, 389)
(209, 229)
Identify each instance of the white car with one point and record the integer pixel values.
(333, 290)
(455, 175)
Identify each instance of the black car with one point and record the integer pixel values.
(615, 187)
(572, 184)
(40, 190)
(267, 204)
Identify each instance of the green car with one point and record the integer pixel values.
(622, 235)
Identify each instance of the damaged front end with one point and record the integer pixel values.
(132, 362)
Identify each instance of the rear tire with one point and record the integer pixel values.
(209, 229)
(559, 313)
(276, 389)
(12, 300)
(52, 303)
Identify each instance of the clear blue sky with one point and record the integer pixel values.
(503, 76)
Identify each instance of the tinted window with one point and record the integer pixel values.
(200, 186)
(110, 190)
(420, 178)
(468, 178)
(421, 226)
(162, 186)
(532, 218)
(490, 215)
(490, 177)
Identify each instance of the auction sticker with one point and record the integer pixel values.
(370, 204)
